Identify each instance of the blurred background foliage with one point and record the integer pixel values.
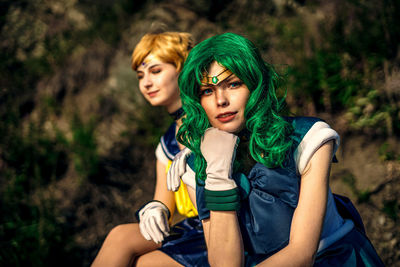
(69, 102)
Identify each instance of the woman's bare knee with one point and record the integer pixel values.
(129, 237)
(122, 245)
(156, 258)
(122, 233)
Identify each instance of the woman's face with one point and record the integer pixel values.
(158, 82)
(224, 98)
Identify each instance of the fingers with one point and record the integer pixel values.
(143, 231)
(219, 149)
(162, 224)
(189, 178)
(217, 143)
(154, 227)
(153, 221)
(170, 176)
(181, 168)
(173, 178)
(177, 169)
(154, 230)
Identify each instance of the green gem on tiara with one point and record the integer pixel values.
(214, 80)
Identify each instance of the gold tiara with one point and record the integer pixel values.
(216, 78)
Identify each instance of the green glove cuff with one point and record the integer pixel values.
(227, 200)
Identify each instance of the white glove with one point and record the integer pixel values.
(153, 221)
(177, 169)
(219, 150)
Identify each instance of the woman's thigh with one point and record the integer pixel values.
(155, 258)
(128, 236)
(122, 245)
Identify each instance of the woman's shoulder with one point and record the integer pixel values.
(302, 125)
(308, 135)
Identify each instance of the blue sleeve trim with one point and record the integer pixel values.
(301, 126)
(168, 142)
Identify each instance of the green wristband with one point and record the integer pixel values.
(227, 200)
(221, 200)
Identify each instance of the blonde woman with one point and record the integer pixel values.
(157, 60)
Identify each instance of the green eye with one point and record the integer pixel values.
(206, 92)
(235, 84)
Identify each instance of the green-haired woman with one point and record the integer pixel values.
(262, 179)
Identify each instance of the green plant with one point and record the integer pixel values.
(368, 113)
(336, 62)
(84, 147)
(392, 209)
(361, 195)
(31, 230)
(38, 37)
(386, 152)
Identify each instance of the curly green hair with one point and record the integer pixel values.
(269, 132)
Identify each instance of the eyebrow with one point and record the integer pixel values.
(231, 77)
(150, 67)
(155, 65)
(206, 86)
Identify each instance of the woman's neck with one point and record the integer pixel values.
(175, 110)
(173, 106)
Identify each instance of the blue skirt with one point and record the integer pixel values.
(186, 243)
(354, 249)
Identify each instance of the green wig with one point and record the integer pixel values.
(269, 132)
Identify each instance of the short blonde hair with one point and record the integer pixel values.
(170, 47)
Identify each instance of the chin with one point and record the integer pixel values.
(229, 128)
(156, 102)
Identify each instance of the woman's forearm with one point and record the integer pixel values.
(289, 256)
(225, 240)
(309, 215)
(161, 193)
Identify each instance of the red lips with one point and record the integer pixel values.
(152, 94)
(226, 117)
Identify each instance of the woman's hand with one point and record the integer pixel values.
(177, 169)
(219, 150)
(153, 221)
(221, 230)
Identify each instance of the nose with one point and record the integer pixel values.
(221, 97)
(147, 82)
